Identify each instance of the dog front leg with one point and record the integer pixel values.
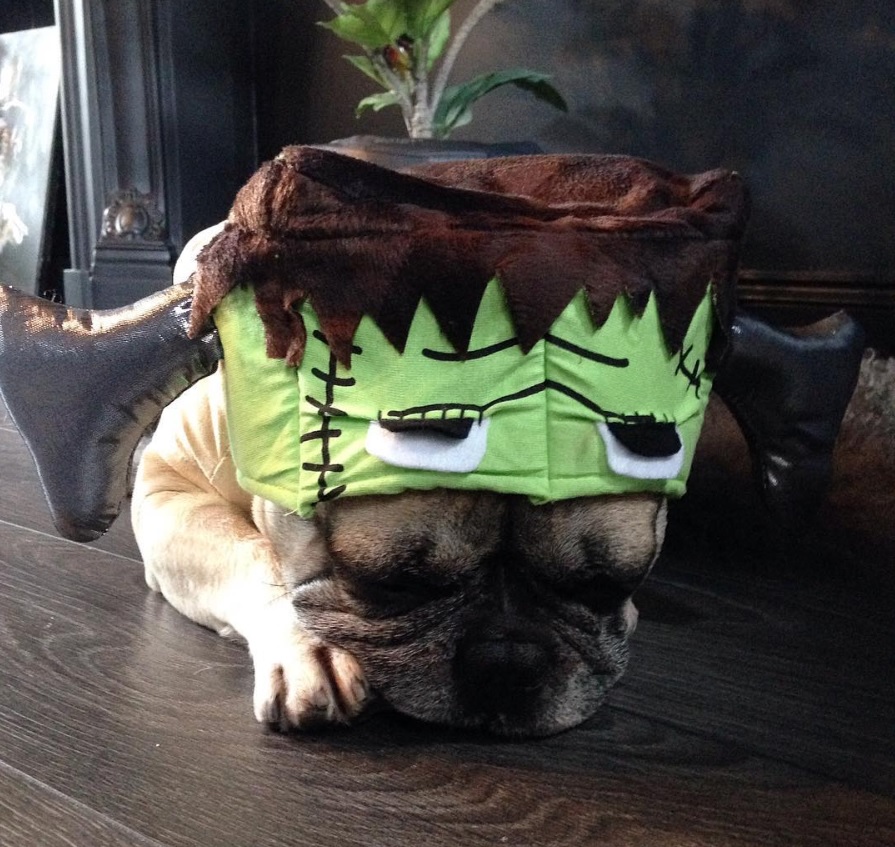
(208, 559)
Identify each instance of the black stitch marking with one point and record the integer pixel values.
(325, 496)
(589, 404)
(525, 392)
(465, 407)
(323, 467)
(327, 411)
(692, 374)
(321, 337)
(332, 379)
(319, 433)
(324, 409)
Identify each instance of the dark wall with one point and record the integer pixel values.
(25, 14)
(306, 92)
(799, 95)
(208, 108)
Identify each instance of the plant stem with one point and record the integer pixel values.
(423, 117)
(478, 12)
(392, 81)
(396, 84)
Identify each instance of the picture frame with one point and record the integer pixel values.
(30, 70)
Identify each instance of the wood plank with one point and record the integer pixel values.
(112, 699)
(32, 814)
(758, 709)
(785, 678)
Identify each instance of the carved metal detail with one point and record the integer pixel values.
(132, 216)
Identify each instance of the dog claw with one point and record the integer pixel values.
(315, 687)
(321, 698)
(360, 692)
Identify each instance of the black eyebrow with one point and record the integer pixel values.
(586, 354)
(500, 346)
(481, 353)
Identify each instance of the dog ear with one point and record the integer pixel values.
(82, 386)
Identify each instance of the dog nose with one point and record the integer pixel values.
(501, 669)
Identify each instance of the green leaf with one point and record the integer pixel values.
(439, 36)
(372, 24)
(389, 15)
(460, 119)
(377, 23)
(377, 102)
(424, 15)
(540, 86)
(366, 66)
(357, 30)
(457, 100)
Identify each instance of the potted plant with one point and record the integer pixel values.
(409, 48)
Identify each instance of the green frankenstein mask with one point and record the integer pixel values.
(586, 411)
(537, 326)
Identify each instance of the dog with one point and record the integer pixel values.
(456, 605)
(468, 609)
(337, 290)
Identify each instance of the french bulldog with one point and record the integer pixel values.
(467, 609)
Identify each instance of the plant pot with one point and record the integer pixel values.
(400, 153)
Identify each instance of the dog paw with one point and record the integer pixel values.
(308, 685)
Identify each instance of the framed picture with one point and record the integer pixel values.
(30, 63)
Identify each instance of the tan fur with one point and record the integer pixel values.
(203, 551)
(299, 591)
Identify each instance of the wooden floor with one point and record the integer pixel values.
(758, 710)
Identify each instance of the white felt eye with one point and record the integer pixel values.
(429, 451)
(625, 462)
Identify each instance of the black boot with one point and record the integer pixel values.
(82, 386)
(788, 390)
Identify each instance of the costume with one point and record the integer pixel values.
(473, 329)
(547, 326)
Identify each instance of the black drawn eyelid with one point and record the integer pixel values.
(458, 428)
(653, 439)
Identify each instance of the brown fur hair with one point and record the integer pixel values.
(356, 239)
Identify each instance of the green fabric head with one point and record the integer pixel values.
(536, 325)
(586, 411)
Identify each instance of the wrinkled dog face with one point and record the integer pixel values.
(477, 609)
